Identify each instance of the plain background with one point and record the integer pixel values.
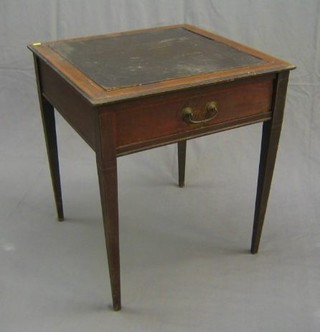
(184, 252)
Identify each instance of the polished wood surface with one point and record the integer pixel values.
(229, 85)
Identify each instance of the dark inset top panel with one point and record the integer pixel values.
(150, 56)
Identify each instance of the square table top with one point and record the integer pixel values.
(117, 66)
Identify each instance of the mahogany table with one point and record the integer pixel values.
(137, 90)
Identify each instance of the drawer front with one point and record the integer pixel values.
(191, 111)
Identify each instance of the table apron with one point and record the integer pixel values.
(76, 110)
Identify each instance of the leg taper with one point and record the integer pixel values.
(49, 127)
(52, 150)
(109, 202)
(108, 182)
(182, 148)
(269, 146)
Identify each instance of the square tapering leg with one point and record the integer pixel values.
(182, 149)
(108, 182)
(49, 127)
(269, 146)
(109, 203)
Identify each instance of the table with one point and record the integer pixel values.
(132, 91)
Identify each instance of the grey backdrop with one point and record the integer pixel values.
(185, 259)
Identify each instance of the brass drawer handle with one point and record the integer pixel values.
(212, 111)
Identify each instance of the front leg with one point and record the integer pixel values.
(108, 182)
(269, 146)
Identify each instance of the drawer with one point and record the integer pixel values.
(190, 111)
